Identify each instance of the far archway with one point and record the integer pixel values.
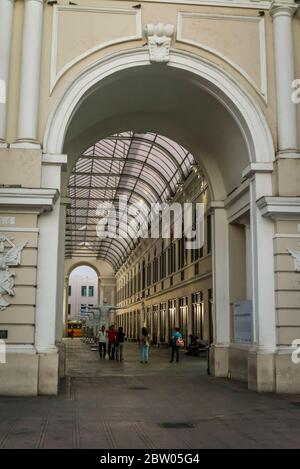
(82, 291)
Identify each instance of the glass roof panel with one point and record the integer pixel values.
(144, 167)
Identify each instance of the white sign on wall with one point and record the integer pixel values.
(243, 323)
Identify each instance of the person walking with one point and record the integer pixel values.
(102, 337)
(120, 344)
(112, 336)
(144, 343)
(176, 343)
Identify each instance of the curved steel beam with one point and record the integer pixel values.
(124, 160)
(152, 143)
(126, 175)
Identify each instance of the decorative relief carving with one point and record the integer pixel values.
(159, 41)
(8, 257)
(7, 220)
(296, 258)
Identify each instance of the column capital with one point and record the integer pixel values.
(215, 204)
(256, 168)
(54, 159)
(283, 9)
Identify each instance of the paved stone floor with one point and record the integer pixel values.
(105, 404)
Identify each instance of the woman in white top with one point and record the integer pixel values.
(102, 337)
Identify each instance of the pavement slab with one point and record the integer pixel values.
(106, 404)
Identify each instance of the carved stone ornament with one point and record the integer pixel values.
(159, 41)
(296, 259)
(8, 257)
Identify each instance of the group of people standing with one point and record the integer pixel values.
(111, 341)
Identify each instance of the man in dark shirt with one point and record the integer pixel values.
(120, 344)
(112, 336)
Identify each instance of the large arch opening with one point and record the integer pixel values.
(206, 113)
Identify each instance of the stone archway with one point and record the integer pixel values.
(231, 196)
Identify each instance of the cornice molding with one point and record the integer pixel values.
(254, 168)
(40, 200)
(279, 207)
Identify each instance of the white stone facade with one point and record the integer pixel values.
(220, 84)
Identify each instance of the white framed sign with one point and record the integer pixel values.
(243, 322)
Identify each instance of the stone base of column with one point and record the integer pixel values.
(19, 375)
(61, 347)
(287, 373)
(238, 362)
(219, 360)
(261, 371)
(48, 374)
(27, 145)
(29, 374)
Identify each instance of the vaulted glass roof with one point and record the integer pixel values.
(144, 167)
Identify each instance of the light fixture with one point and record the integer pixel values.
(195, 167)
(179, 187)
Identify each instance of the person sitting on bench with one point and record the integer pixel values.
(196, 345)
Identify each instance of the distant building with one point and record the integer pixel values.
(82, 291)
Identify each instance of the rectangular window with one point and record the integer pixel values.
(155, 270)
(91, 290)
(198, 315)
(181, 252)
(171, 318)
(70, 290)
(139, 279)
(149, 274)
(69, 309)
(143, 275)
(163, 264)
(83, 290)
(155, 323)
(134, 281)
(183, 317)
(169, 260)
(162, 322)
